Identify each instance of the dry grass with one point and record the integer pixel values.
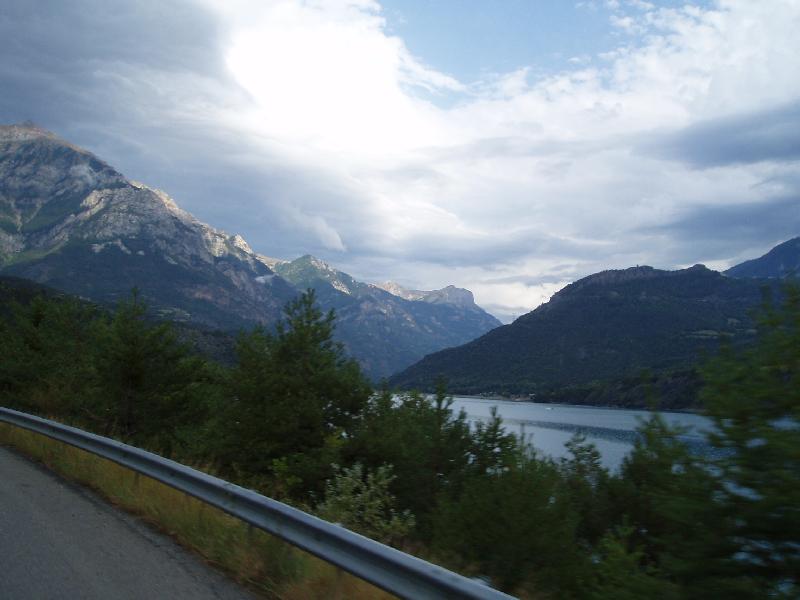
(264, 563)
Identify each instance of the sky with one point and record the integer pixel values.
(505, 146)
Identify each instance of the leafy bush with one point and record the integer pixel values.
(360, 500)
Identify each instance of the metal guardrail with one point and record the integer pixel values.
(396, 572)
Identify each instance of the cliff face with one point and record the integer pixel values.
(387, 331)
(71, 221)
(448, 295)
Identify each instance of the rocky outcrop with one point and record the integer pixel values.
(386, 331)
(67, 217)
(398, 290)
(448, 295)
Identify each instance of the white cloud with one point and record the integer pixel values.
(316, 224)
(325, 76)
(328, 136)
(626, 23)
(516, 159)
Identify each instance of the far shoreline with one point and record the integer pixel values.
(524, 400)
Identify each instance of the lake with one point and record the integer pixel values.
(549, 426)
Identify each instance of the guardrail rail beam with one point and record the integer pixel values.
(388, 568)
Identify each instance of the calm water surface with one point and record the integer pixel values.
(549, 426)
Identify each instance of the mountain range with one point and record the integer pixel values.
(779, 263)
(610, 326)
(387, 330)
(74, 223)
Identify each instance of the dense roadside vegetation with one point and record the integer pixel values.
(297, 420)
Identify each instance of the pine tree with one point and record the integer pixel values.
(148, 383)
(753, 399)
(296, 395)
(727, 524)
(46, 347)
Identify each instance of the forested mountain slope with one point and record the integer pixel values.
(606, 326)
(388, 332)
(781, 262)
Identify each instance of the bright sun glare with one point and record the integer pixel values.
(334, 86)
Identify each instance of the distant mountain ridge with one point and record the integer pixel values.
(72, 222)
(447, 295)
(597, 335)
(401, 292)
(307, 271)
(609, 325)
(779, 263)
(385, 327)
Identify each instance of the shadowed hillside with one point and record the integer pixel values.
(606, 326)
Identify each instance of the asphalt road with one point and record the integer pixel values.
(59, 540)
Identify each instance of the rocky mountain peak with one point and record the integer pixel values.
(24, 132)
(307, 271)
(398, 290)
(447, 295)
(317, 263)
(783, 261)
(239, 242)
(451, 295)
(612, 277)
(385, 329)
(70, 220)
(166, 200)
(270, 261)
